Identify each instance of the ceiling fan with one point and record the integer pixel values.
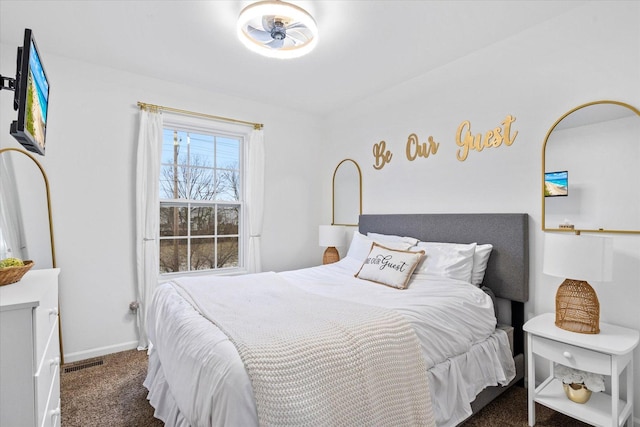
(277, 29)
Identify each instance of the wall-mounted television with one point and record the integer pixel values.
(31, 98)
(556, 184)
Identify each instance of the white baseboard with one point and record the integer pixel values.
(97, 352)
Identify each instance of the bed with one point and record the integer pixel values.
(443, 355)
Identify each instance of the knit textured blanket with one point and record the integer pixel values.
(315, 360)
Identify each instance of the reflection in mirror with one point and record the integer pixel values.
(347, 193)
(26, 230)
(598, 144)
(12, 238)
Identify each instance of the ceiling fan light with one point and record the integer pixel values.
(287, 12)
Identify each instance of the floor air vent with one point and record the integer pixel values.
(84, 365)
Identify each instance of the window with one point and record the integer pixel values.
(201, 200)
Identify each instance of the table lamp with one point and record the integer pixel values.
(331, 236)
(577, 258)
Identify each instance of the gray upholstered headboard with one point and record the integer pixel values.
(507, 272)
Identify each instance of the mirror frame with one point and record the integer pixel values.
(333, 192)
(46, 185)
(544, 147)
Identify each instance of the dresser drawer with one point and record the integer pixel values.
(47, 375)
(52, 416)
(46, 319)
(572, 356)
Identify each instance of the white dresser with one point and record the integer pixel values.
(30, 351)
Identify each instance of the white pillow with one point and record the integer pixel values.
(389, 266)
(385, 238)
(454, 260)
(361, 246)
(480, 260)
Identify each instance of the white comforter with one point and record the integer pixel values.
(197, 378)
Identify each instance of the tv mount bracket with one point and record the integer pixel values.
(7, 83)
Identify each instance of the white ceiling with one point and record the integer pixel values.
(364, 46)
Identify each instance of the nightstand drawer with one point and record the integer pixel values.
(572, 356)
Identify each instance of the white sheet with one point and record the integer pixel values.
(197, 378)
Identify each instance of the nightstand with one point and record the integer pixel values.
(608, 353)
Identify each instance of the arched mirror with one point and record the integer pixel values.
(26, 228)
(591, 170)
(347, 193)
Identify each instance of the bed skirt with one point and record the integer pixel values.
(444, 383)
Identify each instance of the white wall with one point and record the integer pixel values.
(588, 54)
(90, 161)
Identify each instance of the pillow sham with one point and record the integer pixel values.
(453, 260)
(388, 266)
(361, 246)
(480, 260)
(392, 238)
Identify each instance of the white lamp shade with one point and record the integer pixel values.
(578, 257)
(331, 235)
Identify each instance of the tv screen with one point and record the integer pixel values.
(31, 97)
(556, 184)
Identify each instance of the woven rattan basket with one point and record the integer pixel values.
(10, 275)
(577, 307)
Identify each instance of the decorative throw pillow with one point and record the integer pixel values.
(480, 260)
(388, 266)
(454, 260)
(361, 246)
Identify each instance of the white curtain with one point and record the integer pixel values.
(255, 198)
(147, 214)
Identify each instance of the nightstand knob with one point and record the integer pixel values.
(567, 355)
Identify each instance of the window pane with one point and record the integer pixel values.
(229, 185)
(173, 255)
(227, 152)
(173, 221)
(228, 218)
(174, 171)
(201, 149)
(202, 254)
(227, 252)
(175, 182)
(174, 147)
(202, 221)
(168, 183)
(203, 184)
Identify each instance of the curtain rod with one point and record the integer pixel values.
(144, 105)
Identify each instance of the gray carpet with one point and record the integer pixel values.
(111, 394)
